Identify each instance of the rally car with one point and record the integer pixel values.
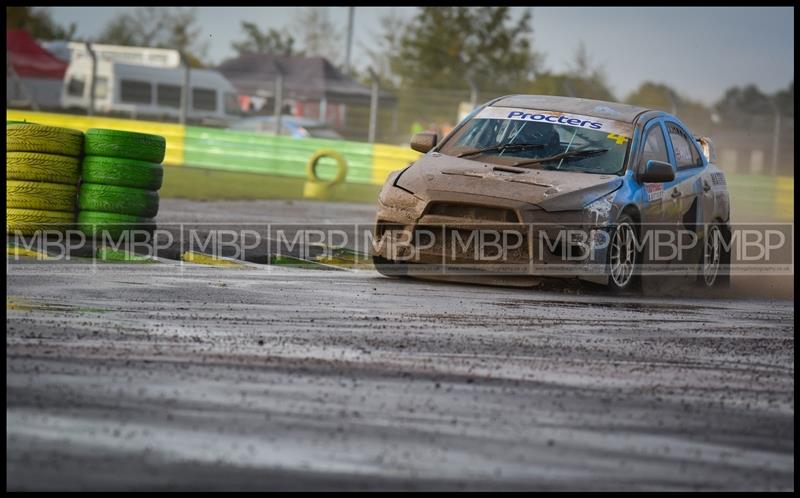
(615, 192)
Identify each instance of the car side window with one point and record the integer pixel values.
(655, 148)
(686, 155)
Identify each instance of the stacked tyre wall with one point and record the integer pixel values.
(42, 172)
(120, 177)
(104, 179)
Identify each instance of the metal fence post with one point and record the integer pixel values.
(373, 106)
(184, 90)
(776, 137)
(93, 80)
(473, 91)
(278, 102)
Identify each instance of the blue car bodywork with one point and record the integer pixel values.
(695, 199)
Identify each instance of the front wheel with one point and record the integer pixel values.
(624, 257)
(715, 259)
(389, 268)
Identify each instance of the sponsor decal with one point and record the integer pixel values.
(620, 139)
(621, 131)
(654, 191)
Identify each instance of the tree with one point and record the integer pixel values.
(784, 99)
(38, 23)
(385, 45)
(569, 85)
(273, 41)
(662, 97)
(583, 79)
(440, 44)
(739, 106)
(160, 27)
(318, 36)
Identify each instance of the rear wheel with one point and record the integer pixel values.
(714, 260)
(624, 258)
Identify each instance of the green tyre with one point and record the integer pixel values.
(122, 172)
(125, 145)
(119, 200)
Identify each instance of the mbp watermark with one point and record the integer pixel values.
(554, 249)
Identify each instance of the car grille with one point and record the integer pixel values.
(472, 212)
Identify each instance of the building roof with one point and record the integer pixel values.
(303, 77)
(587, 107)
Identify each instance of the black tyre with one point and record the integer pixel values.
(714, 265)
(125, 144)
(624, 256)
(119, 200)
(122, 172)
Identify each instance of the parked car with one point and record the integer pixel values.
(290, 126)
(623, 176)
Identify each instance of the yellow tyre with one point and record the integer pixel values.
(41, 195)
(28, 221)
(35, 167)
(45, 139)
(311, 167)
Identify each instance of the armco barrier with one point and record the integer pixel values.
(753, 196)
(275, 155)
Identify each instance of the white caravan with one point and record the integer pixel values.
(150, 92)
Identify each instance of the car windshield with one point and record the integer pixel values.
(542, 140)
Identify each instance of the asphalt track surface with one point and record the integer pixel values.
(170, 376)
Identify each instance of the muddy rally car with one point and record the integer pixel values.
(539, 186)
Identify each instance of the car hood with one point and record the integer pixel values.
(550, 190)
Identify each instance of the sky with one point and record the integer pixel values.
(699, 51)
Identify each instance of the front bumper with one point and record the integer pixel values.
(535, 243)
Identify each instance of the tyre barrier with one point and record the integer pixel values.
(35, 167)
(120, 177)
(122, 172)
(42, 170)
(50, 183)
(317, 188)
(118, 200)
(95, 223)
(40, 195)
(28, 137)
(125, 145)
(30, 221)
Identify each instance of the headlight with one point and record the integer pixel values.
(396, 197)
(598, 213)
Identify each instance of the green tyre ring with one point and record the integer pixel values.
(119, 200)
(29, 137)
(35, 167)
(125, 144)
(94, 223)
(122, 172)
(29, 221)
(40, 195)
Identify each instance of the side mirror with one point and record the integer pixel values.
(658, 172)
(424, 141)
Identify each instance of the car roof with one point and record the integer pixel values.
(588, 107)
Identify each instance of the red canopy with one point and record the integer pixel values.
(29, 59)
